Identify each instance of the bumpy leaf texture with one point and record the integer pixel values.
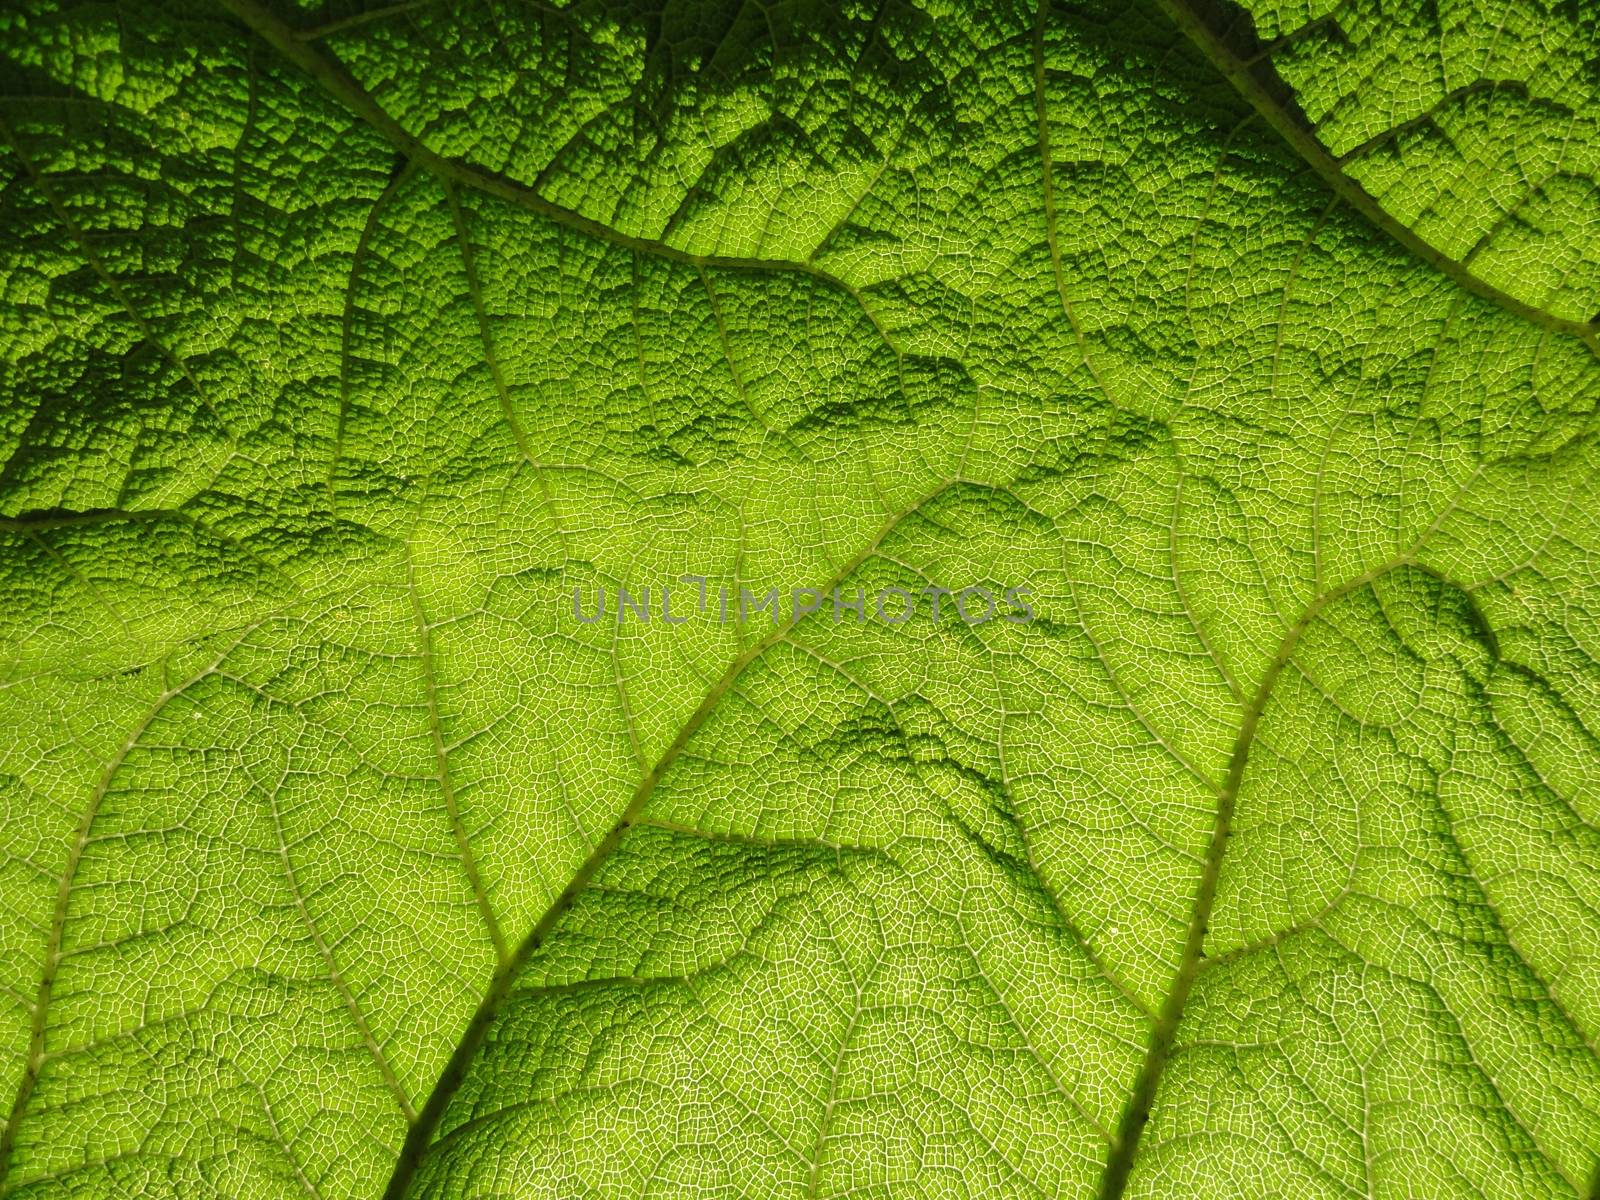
(342, 345)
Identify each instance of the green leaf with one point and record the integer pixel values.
(1476, 126)
(344, 346)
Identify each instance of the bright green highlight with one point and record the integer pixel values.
(338, 861)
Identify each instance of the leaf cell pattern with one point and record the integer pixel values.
(342, 344)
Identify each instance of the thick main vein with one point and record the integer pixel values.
(339, 83)
(422, 1131)
(1256, 82)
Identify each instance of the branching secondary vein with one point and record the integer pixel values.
(1119, 1164)
(422, 1131)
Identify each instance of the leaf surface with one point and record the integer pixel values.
(340, 860)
